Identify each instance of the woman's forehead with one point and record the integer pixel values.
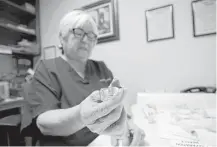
(87, 25)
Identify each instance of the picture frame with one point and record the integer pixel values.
(4, 89)
(105, 14)
(203, 17)
(50, 52)
(160, 23)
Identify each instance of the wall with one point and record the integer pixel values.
(169, 65)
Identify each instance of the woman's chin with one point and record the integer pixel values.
(83, 55)
(83, 58)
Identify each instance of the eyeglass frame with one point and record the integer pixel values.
(84, 33)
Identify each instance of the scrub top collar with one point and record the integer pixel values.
(84, 80)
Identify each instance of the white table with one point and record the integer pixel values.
(166, 101)
(156, 137)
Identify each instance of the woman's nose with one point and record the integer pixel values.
(84, 38)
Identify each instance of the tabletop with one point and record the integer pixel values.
(191, 109)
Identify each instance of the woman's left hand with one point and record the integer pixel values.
(135, 136)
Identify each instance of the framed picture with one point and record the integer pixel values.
(159, 23)
(50, 52)
(105, 14)
(4, 89)
(204, 17)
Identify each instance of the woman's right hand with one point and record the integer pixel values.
(104, 117)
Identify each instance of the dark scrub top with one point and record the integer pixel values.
(57, 85)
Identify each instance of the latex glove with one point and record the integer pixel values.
(134, 136)
(99, 115)
(106, 93)
(121, 124)
(117, 128)
(115, 83)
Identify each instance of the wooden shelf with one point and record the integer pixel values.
(16, 29)
(20, 2)
(16, 10)
(12, 103)
(19, 22)
(13, 51)
(24, 53)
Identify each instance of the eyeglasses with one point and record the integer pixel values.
(79, 33)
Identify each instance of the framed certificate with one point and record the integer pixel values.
(204, 17)
(159, 23)
(49, 52)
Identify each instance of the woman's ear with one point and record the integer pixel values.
(61, 39)
(61, 44)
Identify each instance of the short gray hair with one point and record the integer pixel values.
(74, 19)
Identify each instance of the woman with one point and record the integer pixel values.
(64, 92)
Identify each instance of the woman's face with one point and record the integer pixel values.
(79, 42)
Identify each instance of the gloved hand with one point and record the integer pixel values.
(134, 136)
(106, 93)
(104, 117)
(118, 128)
